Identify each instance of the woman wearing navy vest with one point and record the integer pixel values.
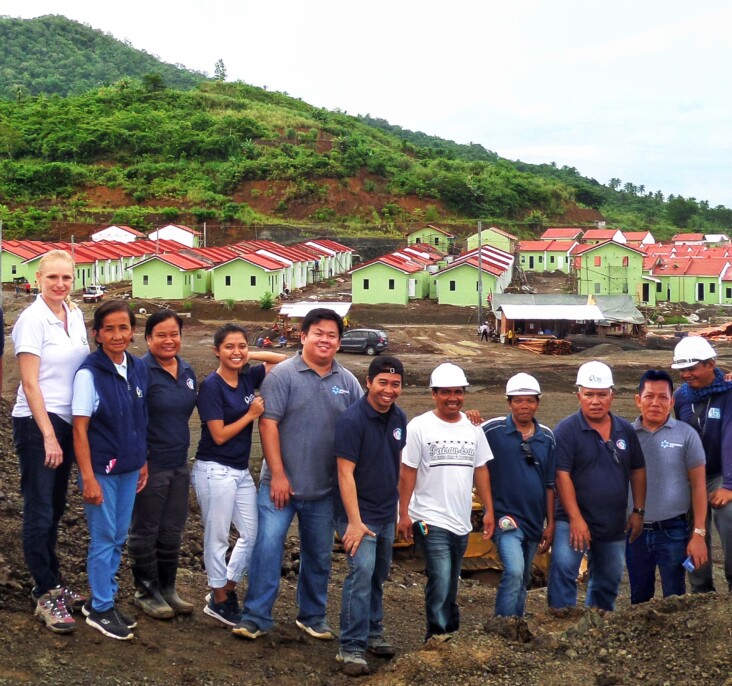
(110, 440)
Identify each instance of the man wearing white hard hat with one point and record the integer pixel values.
(598, 457)
(704, 401)
(522, 485)
(444, 457)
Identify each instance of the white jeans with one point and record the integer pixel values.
(226, 496)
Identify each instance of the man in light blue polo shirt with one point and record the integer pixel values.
(674, 463)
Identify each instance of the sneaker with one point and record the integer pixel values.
(227, 612)
(352, 662)
(110, 624)
(246, 628)
(380, 647)
(321, 630)
(128, 621)
(51, 610)
(73, 600)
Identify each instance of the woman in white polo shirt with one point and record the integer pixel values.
(50, 343)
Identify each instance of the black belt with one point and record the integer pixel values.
(658, 526)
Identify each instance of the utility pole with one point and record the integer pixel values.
(480, 274)
(205, 245)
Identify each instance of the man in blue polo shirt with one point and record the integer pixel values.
(369, 437)
(522, 485)
(598, 457)
(704, 401)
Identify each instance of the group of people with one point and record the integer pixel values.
(344, 460)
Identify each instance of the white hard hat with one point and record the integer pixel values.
(690, 350)
(448, 375)
(594, 375)
(522, 384)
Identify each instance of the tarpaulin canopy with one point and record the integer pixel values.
(300, 309)
(613, 308)
(553, 312)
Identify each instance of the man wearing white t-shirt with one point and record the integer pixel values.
(444, 457)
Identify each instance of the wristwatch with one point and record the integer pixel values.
(639, 510)
(700, 532)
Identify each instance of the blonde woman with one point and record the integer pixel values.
(50, 343)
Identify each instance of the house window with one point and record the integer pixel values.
(452, 285)
(419, 240)
(365, 284)
(523, 259)
(145, 280)
(712, 287)
(437, 240)
(227, 281)
(15, 269)
(625, 261)
(198, 276)
(169, 280)
(625, 287)
(659, 287)
(541, 259)
(598, 261)
(728, 292)
(551, 259)
(252, 280)
(101, 270)
(597, 288)
(391, 284)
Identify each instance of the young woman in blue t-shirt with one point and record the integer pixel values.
(228, 406)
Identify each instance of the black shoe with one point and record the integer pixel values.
(110, 624)
(130, 622)
(227, 612)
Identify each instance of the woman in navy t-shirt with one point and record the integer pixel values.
(228, 406)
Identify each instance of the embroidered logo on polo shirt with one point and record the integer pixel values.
(670, 444)
(138, 390)
(190, 384)
(622, 445)
(337, 390)
(398, 434)
(714, 413)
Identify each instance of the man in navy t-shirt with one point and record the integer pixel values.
(598, 457)
(369, 437)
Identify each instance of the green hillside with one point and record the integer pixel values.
(142, 148)
(57, 56)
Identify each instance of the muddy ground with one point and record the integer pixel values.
(680, 641)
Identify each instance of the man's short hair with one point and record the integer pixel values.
(385, 365)
(320, 314)
(656, 375)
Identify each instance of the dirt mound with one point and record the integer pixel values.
(602, 350)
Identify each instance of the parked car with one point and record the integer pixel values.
(367, 341)
(92, 294)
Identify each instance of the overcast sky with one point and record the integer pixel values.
(632, 89)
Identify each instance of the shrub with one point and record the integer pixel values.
(266, 302)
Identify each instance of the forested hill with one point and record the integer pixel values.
(58, 56)
(142, 148)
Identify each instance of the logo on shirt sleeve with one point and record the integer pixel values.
(398, 434)
(190, 384)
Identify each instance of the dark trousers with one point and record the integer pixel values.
(44, 497)
(161, 510)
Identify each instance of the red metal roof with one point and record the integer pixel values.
(557, 233)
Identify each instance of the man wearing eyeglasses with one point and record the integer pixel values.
(522, 485)
(675, 463)
(704, 401)
(598, 457)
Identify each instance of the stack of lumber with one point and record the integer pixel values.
(545, 346)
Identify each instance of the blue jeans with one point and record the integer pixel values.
(443, 557)
(702, 580)
(605, 563)
(362, 606)
(517, 556)
(44, 497)
(315, 524)
(108, 525)
(662, 545)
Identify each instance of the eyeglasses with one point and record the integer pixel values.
(528, 454)
(611, 447)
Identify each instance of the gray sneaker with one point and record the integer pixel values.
(380, 647)
(320, 630)
(352, 662)
(52, 611)
(248, 629)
